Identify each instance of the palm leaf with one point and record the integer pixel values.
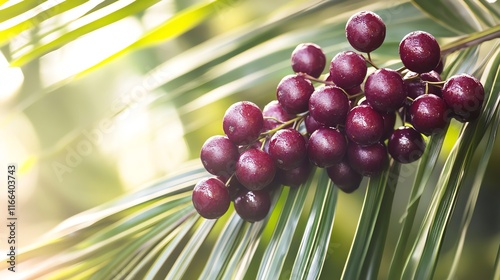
(432, 232)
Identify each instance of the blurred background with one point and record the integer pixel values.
(84, 132)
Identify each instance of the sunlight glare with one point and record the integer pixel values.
(11, 79)
(88, 50)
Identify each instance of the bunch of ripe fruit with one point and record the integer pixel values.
(346, 123)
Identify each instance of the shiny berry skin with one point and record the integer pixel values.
(440, 67)
(464, 95)
(348, 69)
(288, 149)
(252, 206)
(344, 177)
(389, 122)
(406, 145)
(233, 186)
(311, 124)
(308, 58)
(243, 122)
(416, 86)
(429, 114)
(364, 125)
(295, 177)
(385, 91)
(219, 155)
(329, 105)
(326, 147)
(365, 31)
(419, 52)
(275, 115)
(255, 169)
(367, 160)
(211, 198)
(293, 93)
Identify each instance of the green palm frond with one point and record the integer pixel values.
(155, 232)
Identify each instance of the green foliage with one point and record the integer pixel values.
(155, 233)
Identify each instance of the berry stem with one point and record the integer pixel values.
(436, 83)
(309, 77)
(274, 119)
(369, 56)
(281, 126)
(473, 39)
(228, 181)
(401, 69)
(354, 96)
(369, 61)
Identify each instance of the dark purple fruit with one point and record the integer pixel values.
(275, 115)
(389, 122)
(308, 58)
(252, 206)
(255, 169)
(416, 86)
(406, 145)
(429, 114)
(348, 69)
(440, 67)
(464, 95)
(364, 125)
(344, 177)
(365, 31)
(243, 122)
(326, 147)
(385, 91)
(367, 160)
(311, 124)
(288, 149)
(419, 52)
(295, 177)
(211, 198)
(219, 155)
(233, 186)
(293, 93)
(329, 105)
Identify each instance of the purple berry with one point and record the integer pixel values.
(255, 169)
(429, 114)
(219, 155)
(288, 148)
(329, 105)
(385, 91)
(326, 147)
(311, 124)
(293, 93)
(367, 160)
(406, 145)
(243, 122)
(275, 115)
(295, 177)
(440, 67)
(252, 206)
(344, 177)
(420, 52)
(211, 198)
(308, 58)
(389, 122)
(365, 31)
(364, 125)
(416, 86)
(348, 69)
(464, 95)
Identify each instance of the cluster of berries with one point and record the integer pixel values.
(337, 125)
